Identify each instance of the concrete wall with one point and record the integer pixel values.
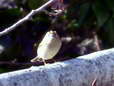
(81, 71)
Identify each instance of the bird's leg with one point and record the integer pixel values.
(44, 61)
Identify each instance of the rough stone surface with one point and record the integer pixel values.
(81, 71)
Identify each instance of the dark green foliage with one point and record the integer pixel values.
(101, 12)
(33, 4)
(9, 16)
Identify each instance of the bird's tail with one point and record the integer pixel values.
(36, 59)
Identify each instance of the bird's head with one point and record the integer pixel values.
(52, 34)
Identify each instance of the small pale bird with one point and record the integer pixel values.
(48, 47)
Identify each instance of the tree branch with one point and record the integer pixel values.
(21, 21)
(95, 69)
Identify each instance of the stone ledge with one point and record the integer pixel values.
(81, 71)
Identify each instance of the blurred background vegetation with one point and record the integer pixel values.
(86, 26)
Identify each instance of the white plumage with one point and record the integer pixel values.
(48, 47)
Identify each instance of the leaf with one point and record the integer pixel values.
(73, 25)
(33, 4)
(110, 4)
(9, 16)
(110, 31)
(84, 12)
(41, 17)
(101, 12)
(14, 12)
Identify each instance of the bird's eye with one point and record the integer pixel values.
(51, 32)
